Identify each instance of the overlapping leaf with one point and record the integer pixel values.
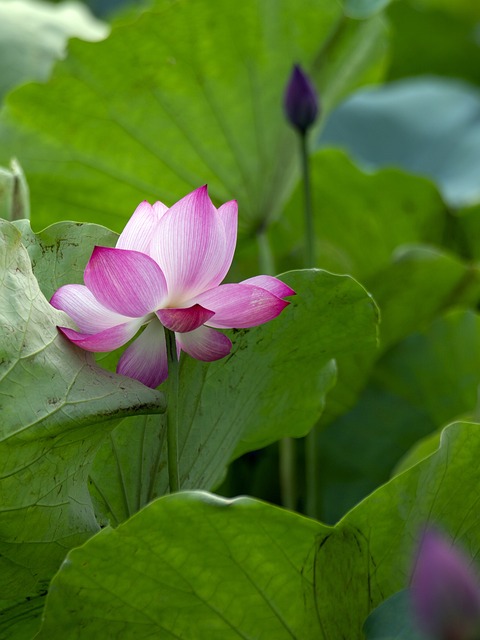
(33, 35)
(426, 381)
(253, 570)
(273, 385)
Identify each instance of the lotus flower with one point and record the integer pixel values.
(445, 591)
(165, 271)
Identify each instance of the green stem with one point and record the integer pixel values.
(312, 450)
(312, 477)
(172, 412)
(288, 472)
(265, 255)
(287, 448)
(307, 190)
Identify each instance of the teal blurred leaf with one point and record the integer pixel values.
(392, 620)
(364, 8)
(428, 126)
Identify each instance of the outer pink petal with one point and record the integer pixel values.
(204, 344)
(128, 282)
(190, 246)
(106, 340)
(146, 358)
(274, 285)
(183, 320)
(240, 305)
(139, 230)
(228, 213)
(82, 306)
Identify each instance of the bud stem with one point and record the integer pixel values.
(312, 452)
(172, 412)
(307, 190)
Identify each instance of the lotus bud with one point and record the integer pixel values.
(301, 101)
(445, 591)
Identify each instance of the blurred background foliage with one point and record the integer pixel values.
(395, 164)
(107, 103)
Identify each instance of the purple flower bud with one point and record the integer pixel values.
(445, 591)
(301, 101)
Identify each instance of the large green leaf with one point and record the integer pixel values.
(427, 380)
(60, 252)
(189, 93)
(438, 279)
(34, 34)
(273, 385)
(415, 273)
(57, 406)
(194, 566)
(245, 573)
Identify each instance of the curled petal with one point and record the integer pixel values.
(106, 340)
(205, 344)
(81, 305)
(240, 305)
(146, 358)
(183, 320)
(190, 246)
(125, 281)
(274, 285)
(139, 230)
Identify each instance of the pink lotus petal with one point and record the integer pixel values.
(228, 213)
(240, 305)
(128, 282)
(205, 344)
(146, 358)
(82, 306)
(106, 340)
(190, 246)
(160, 209)
(274, 285)
(138, 231)
(183, 320)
